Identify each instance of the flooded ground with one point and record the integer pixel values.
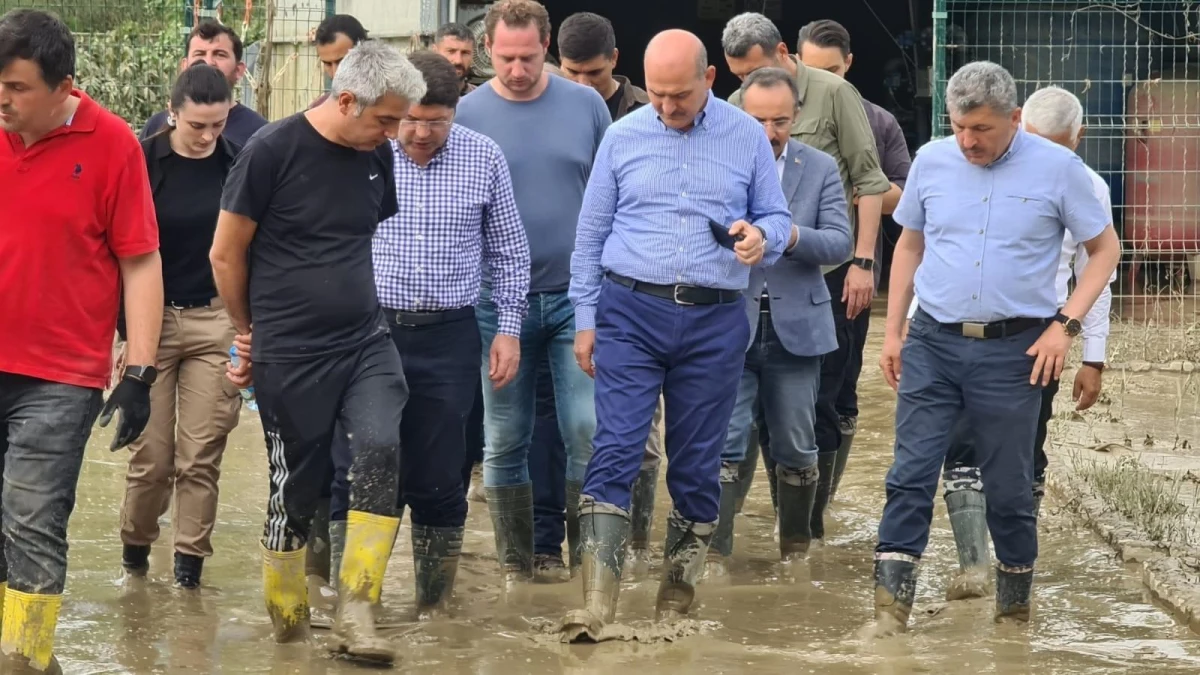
(1092, 614)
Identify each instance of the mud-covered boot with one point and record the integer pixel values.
(848, 427)
(369, 540)
(436, 552)
(967, 508)
(476, 491)
(826, 461)
(511, 507)
(135, 560)
(316, 552)
(685, 550)
(287, 594)
(797, 491)
(337, 546)
(1014, 591)
(895, 590)
(187, 571)
(605, 532)
(745, 471)
(27, 633)
(641, 517)
(720, 550)
(572, 502)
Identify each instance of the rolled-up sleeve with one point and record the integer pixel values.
(766, 204)
(595, 224)
(506, 251)
(910, 212)
(856, 143)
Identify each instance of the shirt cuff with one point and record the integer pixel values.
(1094, 349)
(509, 324)
(585, 317)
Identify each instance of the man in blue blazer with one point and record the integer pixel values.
(791, 326)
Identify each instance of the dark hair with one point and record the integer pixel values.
(457, 31)
(769, 78)
(345, 24)
(584, 36)
(442, 84)
(201, 84)
(517, 14)
(825, 33)
(41, 37)
(209, 30)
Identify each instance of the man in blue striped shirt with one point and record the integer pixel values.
(658, 299)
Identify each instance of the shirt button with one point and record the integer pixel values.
(685, 166)
(421, 237)
(981, 232)
(976, 262)
(682, 194)
(420, 269)
(985, 199)
(681, 249)
(683, 220)
(973, 296)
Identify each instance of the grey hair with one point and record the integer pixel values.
(979, 84)
(769, 78)
(372, 70)
(746, 30)
(1054, 111)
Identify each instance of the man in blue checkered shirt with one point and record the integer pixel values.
(458, 209)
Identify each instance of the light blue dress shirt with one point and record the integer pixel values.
(993, 235)
(652, 193)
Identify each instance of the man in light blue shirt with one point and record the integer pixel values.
(659, 301)
(983, 214)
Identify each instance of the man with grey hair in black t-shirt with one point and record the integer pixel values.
(299, 274)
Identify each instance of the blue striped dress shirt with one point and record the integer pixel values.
(652, 193)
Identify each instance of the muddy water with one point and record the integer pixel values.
(1093, 616)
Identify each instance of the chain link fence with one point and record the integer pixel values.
(1135, 65)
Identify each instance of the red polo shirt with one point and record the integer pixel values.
(70, 205)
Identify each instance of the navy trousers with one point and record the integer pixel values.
(547, 468)
(694, 355)
(962, 448)
(946, 376)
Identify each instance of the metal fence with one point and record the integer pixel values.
(1134, 65)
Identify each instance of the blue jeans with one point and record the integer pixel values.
(786, 385)
(548, 331)
(987, 381)
(547, 468)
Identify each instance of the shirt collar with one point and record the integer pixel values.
(1013, 147)
(697, 123)
(438, 155)
(801, 78)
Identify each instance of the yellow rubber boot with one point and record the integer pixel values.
(286, 592)
(27, 634)
(369, 540)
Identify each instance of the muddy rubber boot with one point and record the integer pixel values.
(685, 550)
(436, 551)
(337, 547)
(1014, 591)
(641, 517)
(967, 508)
(849, 427)
(605, 533)
(476, 493)
(797, 492)
(187, 571)
(135, 560)
(745, 471)
(895, 590)
(316, 553)
(720, 550)
(27, 632)
(826, 461)
(369, 540)
(572, 502)
(512, 520)
(286, 594)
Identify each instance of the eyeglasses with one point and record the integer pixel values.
(436, 125)
(778, 125)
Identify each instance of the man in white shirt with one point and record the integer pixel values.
(1056, 115)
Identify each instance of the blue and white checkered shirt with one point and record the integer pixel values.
(454, 213)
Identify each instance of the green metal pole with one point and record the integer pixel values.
(938, 85)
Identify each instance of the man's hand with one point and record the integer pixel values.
(1087, 387)
(132, 397)
(504, 359)
(585, 345)
(241, 375)
(750, 249)
(1050, 352)
(889, 360)
(858, 290)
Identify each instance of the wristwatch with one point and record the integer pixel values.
(144, 374)
(863, 263)
(1072, 326)
(766, 242)
(1098, 365)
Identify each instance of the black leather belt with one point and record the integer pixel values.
(403, 318)
(987, 331)
(189, 304)
(680, 294)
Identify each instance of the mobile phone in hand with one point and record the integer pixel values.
(721, 234)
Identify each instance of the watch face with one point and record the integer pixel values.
(1073, 327)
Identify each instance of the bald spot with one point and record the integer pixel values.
(676, 54)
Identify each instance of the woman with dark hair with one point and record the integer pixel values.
(193, 405)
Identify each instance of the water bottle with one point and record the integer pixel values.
(248, 392)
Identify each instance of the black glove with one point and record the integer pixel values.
(132, 397)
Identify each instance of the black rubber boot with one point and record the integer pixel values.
(685, 550)
(716, 565)
(337, 546)
(187, 570)
(436, 551)
(135, 559)
(849, 426)
(825, 466)
(797, 492)
(572, 491)
(641, 517)
(895, 590)
(967, 507)
(745, 471)
(604, 529)
(512, 519)
(1014, 594)
(772, 478)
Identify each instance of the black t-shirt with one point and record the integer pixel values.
(614, 101)
(240, 126)
(187, 202)
(317, 204)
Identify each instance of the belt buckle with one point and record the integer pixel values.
(974, 330)
(675, 296)
(176, 305)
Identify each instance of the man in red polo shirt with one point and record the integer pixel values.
(78, 224)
